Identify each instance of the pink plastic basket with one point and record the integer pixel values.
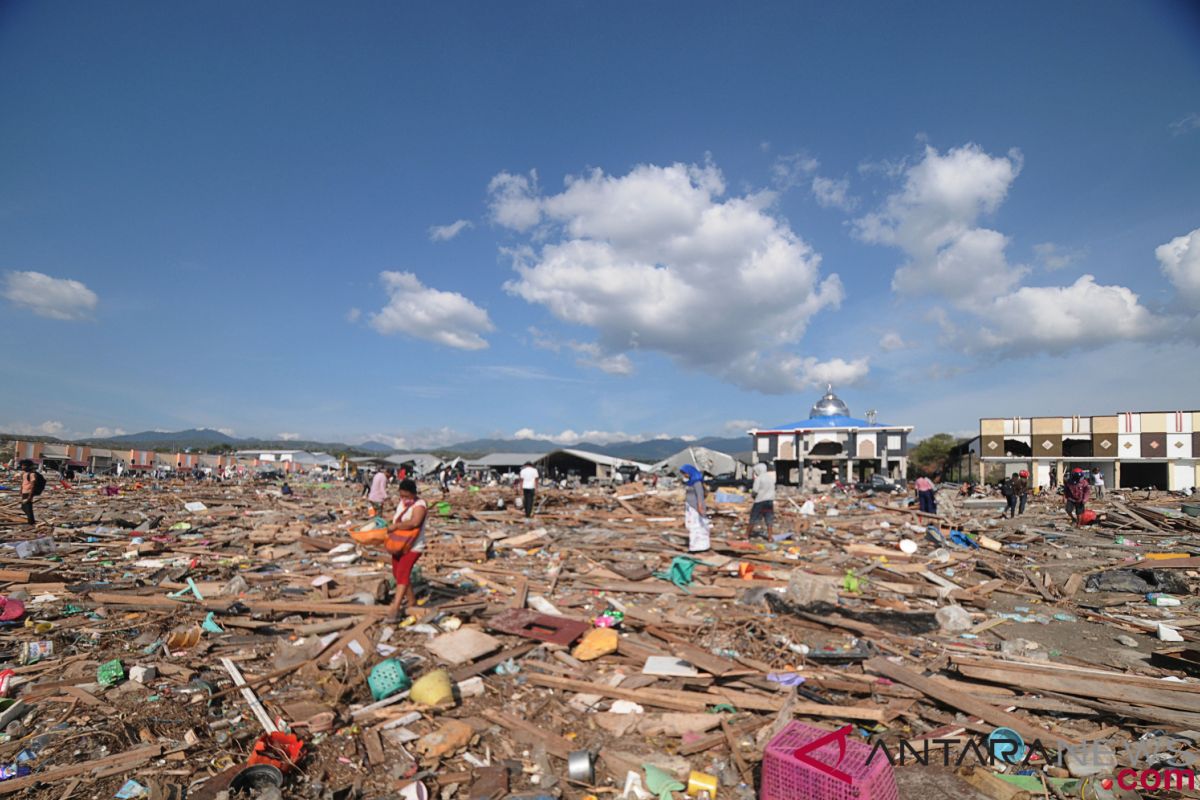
(786, 777)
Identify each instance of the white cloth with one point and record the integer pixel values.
(699, 530)
(1098, 479)
(404, 513)
(529, 478)
(764, 484)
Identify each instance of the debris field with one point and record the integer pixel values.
(191, 639)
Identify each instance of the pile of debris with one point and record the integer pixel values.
(222, 640)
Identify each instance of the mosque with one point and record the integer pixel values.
(832, 445)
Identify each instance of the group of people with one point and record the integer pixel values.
(695, 518)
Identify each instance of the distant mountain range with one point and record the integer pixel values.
(646, 451)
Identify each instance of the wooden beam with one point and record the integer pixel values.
(955, 699)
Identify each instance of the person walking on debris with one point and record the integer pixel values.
(764, 498)
(926, 502)
(1077, 490)
(1022, 488)
(699, 530)
(378, 492)
(33, 483)
(1008, 488)
(1098, 483)
(405, 543)
(529, 479)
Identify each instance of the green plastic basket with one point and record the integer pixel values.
(386, 678)
(443, 509)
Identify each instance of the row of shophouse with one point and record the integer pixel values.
(56, 456)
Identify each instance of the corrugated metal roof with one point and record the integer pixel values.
(505, 459)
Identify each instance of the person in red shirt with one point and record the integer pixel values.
(1078, 491)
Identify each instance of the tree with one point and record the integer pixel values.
(931, 453)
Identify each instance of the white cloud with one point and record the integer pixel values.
(1059, 319)
(420, 439)
(933, 219)
(592, 356)
(287, 437)
(831, 193)
(659, 260)
(590, 353)
(227, 431)
(354, 315)
(520, 373)
(1189, 123)
(793, 170)
(422, 312)
(739, 426)
(570, 437)
(892, 341)
(47, 428)
(55, 298)
(104, 432)
(444, 233)
(1179, 260)
(1054, 257)
(514, 200)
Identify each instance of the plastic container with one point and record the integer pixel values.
(433, 689)
(387, 678)
(1160, 599)
(786, 777)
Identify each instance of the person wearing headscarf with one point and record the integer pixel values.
(698, 527)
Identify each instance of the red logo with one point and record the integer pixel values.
(802, 754)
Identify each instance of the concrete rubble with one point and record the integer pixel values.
(151, 646)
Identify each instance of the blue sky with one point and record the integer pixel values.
(242, 216)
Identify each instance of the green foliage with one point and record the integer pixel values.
(931, 454)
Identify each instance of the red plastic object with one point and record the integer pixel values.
(280, 750)
(11, 610)
(816, 764)
(1087, 517)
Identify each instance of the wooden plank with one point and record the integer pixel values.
(133, 758)
(698, 701)
(1083, 685)
(662, 587)
(555, 745)
(955, 699)
(713, 739)
(374, 746)
(467, 670)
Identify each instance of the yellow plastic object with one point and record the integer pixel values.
(702, 782)
(432, 689)
(1165, 556)
(597, 642)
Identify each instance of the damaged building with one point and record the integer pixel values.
(1131, 449)
(832, 445)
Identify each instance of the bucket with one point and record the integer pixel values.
(432, 689)
(443, 509)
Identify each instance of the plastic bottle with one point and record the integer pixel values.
(1160, 599)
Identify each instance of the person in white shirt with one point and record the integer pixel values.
(764, 498)
(529, 479)
(1098, 482)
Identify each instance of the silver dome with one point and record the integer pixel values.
(829, 406)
